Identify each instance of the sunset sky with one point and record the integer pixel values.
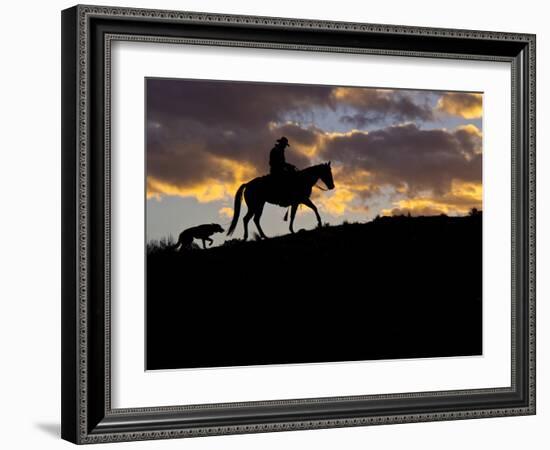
(392, 151)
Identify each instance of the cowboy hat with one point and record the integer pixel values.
(283, 140)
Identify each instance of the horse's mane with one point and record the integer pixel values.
(311, 168)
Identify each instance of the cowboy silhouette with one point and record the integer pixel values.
(277, 161)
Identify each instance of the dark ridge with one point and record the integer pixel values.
(396, 287)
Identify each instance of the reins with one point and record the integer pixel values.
(315, 185)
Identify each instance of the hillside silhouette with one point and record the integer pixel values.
(396, 287)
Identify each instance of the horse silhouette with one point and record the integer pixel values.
(286, 190)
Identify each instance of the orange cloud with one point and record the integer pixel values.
(337, 202)
(357, 96)
(462, 197)
(462, 104)
(349, 196)
(206, 191)
(226, 212)
(231, 175)
(470, 128)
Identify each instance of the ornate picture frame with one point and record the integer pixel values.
(88, 33)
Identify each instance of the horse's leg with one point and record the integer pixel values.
(252, 204)
(310, 204)
(257, 216)
(210, 241)
(246, 219)
(293, 210)
(203, 243)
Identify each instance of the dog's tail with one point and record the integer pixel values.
(236, 209)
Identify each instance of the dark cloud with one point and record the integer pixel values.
(231, 104)
(373, 106)
(191, 123)
(423, 159)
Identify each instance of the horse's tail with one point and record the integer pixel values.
(236, 209)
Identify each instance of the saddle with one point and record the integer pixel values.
(283, 185)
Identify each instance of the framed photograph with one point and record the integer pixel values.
(278, 224)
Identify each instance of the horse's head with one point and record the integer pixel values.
(326, 175)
